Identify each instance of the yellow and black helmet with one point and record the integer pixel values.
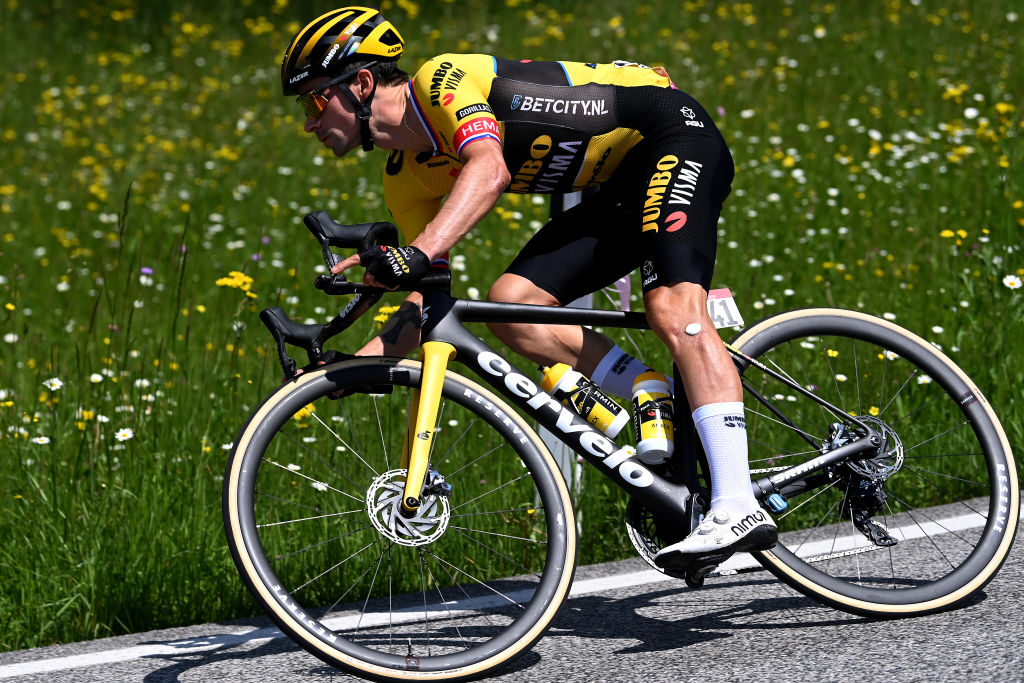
(330, 43)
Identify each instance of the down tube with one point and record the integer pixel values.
(631, 476)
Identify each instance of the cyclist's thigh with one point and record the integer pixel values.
(682, 176)
(580, 250)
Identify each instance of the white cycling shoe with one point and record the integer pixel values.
(720, 535)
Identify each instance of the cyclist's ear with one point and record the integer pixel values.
(365, 83)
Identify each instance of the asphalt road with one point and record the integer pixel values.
(624, 622)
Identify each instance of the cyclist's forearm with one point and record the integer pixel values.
(476, 191)
(401, 333)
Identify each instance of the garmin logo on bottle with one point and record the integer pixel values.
(545, 407)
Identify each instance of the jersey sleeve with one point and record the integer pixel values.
(450, 96)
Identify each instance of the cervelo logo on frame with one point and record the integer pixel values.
(591, 440)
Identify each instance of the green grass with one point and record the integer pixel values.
(147, 154)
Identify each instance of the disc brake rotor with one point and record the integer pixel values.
(384, 506)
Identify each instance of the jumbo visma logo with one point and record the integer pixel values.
(548, 165)
(683, 185)
(446, 76)
(656, 191)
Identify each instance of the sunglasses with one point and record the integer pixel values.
(314, 102)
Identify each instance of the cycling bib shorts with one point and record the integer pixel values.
(661, 165)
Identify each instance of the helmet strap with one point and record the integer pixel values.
(363, 113)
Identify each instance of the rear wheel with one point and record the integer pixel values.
(923, 523)
(312, 509)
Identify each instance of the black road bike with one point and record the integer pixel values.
(403, 521)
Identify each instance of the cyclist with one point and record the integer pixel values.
(467, 128)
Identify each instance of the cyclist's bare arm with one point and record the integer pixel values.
(480, 183)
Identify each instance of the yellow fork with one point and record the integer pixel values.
(422, 417)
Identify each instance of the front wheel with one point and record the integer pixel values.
(922, 523)
(312, 509)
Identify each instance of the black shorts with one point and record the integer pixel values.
(659, 213)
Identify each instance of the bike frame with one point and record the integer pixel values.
(444, 338)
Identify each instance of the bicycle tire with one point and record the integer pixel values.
(949, 489)
(312, 525)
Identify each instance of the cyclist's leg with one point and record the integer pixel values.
(576, 253)
(682, 179)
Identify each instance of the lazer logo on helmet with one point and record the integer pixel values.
(545, 406)
(294, 79)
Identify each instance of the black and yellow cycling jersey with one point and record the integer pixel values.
(563, 126)
(567, 126)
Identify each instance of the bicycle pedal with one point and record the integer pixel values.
(705, 564)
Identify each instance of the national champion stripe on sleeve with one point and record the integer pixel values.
(434, 140)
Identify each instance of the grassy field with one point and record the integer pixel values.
(148, 155)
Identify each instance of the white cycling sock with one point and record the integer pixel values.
(723, 432)
(616, 372)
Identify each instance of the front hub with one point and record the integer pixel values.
(384, 506)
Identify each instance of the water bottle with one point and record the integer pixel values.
(652, 418)
(581, 395)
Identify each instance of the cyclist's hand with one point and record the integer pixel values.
(390, 266)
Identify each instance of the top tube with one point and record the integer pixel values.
(468, 311)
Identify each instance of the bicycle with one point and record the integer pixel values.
(417, 526)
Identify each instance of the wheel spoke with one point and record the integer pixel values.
(330, 539)
(923, 496)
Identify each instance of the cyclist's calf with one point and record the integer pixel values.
(678, 315)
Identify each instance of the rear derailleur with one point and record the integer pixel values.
(864, 498)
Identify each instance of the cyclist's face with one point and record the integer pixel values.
(337, 128)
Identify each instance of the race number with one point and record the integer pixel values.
(723, 310)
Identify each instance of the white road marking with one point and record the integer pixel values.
(259, 636)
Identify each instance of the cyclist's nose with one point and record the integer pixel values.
(311, 124)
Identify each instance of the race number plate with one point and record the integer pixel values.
(723, 310)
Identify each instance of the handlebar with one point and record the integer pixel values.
(360, 236)
(329, 233)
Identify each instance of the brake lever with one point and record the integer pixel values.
(286, 331)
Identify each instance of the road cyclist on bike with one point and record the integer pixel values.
(465, 129)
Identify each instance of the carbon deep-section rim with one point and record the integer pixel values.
(943, 486)
(467, 585)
